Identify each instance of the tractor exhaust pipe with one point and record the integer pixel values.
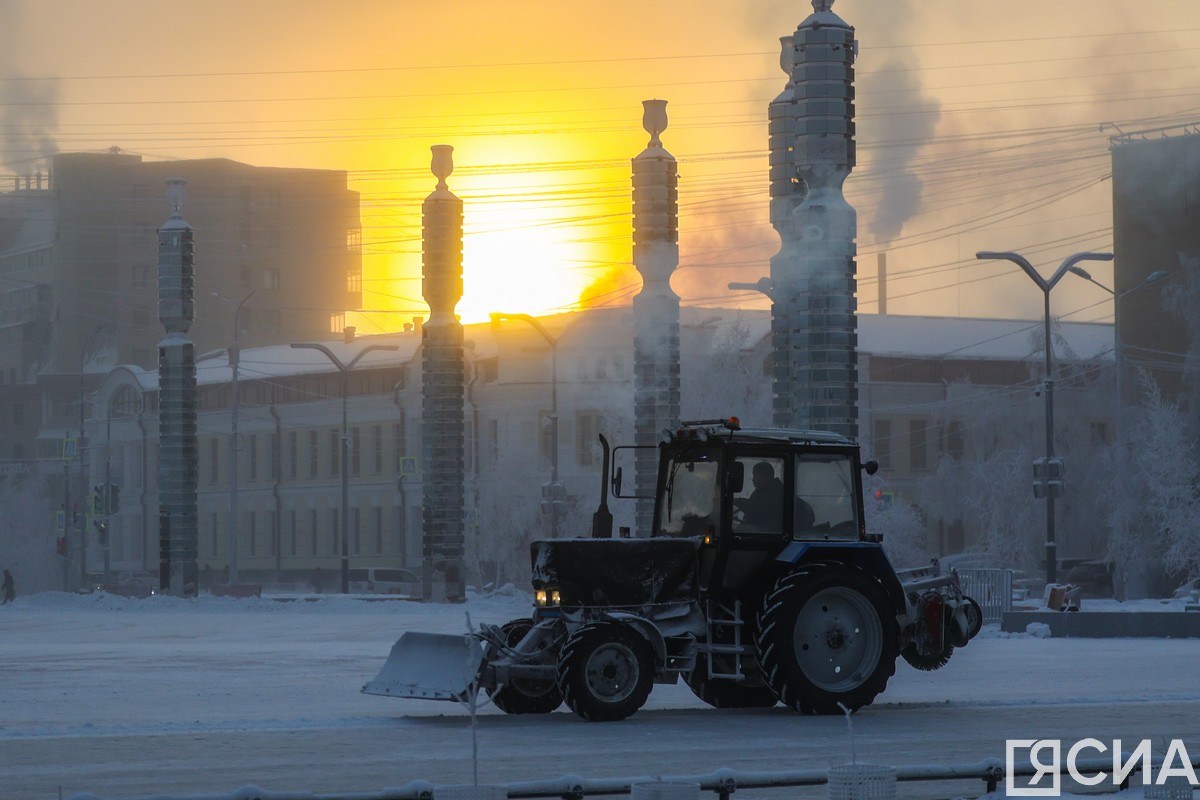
(602, 520)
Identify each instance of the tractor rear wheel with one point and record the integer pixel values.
(827, 639)
(605, 671)
(725, 693)
(524, 695)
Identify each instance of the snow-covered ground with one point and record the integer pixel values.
(126, 698)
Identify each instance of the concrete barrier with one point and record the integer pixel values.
(237, 590)
(1108, 624)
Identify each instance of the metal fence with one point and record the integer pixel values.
(722, 783)
(991, 588)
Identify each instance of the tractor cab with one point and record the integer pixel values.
(746, 495)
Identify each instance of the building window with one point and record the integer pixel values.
(334, 526)
(337, 322)
(377, 449)
(401, 535)
(354, 279)
(955, 439)
(400, 443)
(488, 369)
(377, 513)
(335, 444)
(917, 447)
(883, 443)
(251, 528)
(272, 534)
(214, 459)
(313, 528)
(546, 435)
(252, 455)
(355, 452)
(294, 533)
(493, 441)
(314, 454)
(354, 240)
(588, 426)
(214, 531)
(270, 278)
(293, 457)
(274, 456)
(354, 526)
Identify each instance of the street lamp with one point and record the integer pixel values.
(87, 343)
(1119, 367)
(235, 442)
(554, 494)
(1051, 464)
(344, 368)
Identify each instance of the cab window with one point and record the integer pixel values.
(759, 506)
(825, 502)
(690, 505)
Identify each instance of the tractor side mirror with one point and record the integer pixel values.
(871, 467)
(736, 477)
(616, 481)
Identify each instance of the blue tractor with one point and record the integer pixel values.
(759, 584)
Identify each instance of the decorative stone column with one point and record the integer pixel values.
(656, 306)
(814, 326)
(442, 383)
(177, 454)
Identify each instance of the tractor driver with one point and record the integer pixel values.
(763, 509)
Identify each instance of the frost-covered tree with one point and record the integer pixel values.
(991, 497)
(726, 379)
(1162, 480)
(905, 535)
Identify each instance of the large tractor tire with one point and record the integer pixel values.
(524, 695)
(827, 638)
(725, 693)
(605, 671)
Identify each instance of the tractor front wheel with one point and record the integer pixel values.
(524, 695)
(827, 639)
(605, 671)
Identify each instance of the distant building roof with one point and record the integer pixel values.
(887, 335)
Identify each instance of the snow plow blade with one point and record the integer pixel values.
(430, 666)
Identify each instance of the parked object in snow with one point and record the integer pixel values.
(758, 584)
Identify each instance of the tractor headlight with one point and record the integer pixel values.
(547, 597)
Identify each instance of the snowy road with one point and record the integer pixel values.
(127, 698)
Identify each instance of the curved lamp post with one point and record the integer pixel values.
(235, 440)
(1046, 286)
(554, 495)
(344, 368)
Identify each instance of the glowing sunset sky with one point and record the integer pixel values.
(979, 127)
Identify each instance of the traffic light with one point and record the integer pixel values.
(106, 499)
(60, 545)
(102, 529)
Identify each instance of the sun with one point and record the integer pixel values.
(517, 258)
